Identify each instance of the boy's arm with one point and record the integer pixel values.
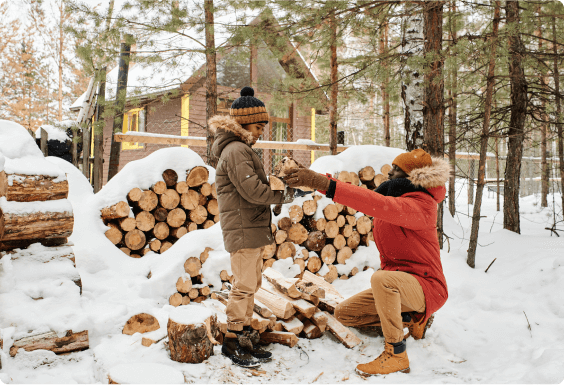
(245, 179)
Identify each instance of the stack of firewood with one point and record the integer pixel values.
(292, 307)
(162, 214)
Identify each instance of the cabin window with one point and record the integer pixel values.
(133, 120)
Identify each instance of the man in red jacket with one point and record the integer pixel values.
(410, 286)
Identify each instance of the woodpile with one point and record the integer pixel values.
(154, 219)
(292, 308)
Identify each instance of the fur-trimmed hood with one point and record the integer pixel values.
(431, 176)
(222, 122)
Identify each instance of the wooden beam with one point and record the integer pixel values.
(201, 142)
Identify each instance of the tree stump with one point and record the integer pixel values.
(190, 334)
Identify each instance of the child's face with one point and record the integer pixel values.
(256, 129)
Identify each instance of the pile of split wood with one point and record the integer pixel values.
(162, 214)
(299, 307)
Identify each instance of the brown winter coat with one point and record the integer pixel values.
(243, 192)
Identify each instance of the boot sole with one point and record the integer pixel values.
(365, 375)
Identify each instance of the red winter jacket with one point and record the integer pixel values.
(405, 228)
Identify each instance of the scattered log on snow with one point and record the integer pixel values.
(310, 330)
(343, 334)
(140, 323)
(293, 325)
(283, 338)
(71, 342)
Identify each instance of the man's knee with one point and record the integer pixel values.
(343, 315)
(379, 279)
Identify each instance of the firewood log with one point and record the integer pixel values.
(309, 223)
(279, 282)
(273, 228)
(343, 277)
(329, 289)
(363, 225)
(214, 191)
(269, 251)
(203, 200)
(219, 309)
(191, 343)
(145, 221)
(379, 179)
(267, 263)
(327, 304)
(319, 318)
(185, 300)
(160, 214)
(276, 184)
(114, 235)
(204, 255)
(190, 199)
(178, 232)
(293, 325)
(332, 275)
(351, 220)
(286, 250)
(146, 250)
(140, 323)
(315, 241)
(193, 293)
(205, 291)
(355, 180)
(176, 217)
(159, 187)
(301, 305)
(192, 226)
(216, 218)
(279, 306)
(197, 176)
(181, 188)
(349, 211)
(344, 176)
(155, 244)
(385, 169)
(125, 250)
(135, 239)
(161, 231)
(30, 188)
(343, 334)
(369, 185)
(183, 285)
(310, 331)
(340, 220)
(280, 236)
(347, 230)
(199, 215)
(119, 210)
(165, 246)
(309, 207)
(192, 266)
(127, 224)
(321, 224)
(304, 254)
(283, 338)
(169, 199)
(344, 254)
(310, 289)
(354, 271)
(296, 213)
(330, 212)
(148, 201)
(212, 207)
(170, 177)
(207, 224)
(297, 234)
(340, 207)
(224, 275)
(284, 223)
(313, 264)
(366, 174)
(134, 195)
(331, 229)
(71, 342)
(339, 242)
(301, 263)
(354, 240)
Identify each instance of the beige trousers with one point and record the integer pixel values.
(392, 293)
(246, 266)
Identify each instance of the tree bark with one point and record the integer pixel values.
(558, 112)
(452, 116)
(334, 86)
(72, 342)
(27, 188)
(471, 257)
(211, 78)
(384, 87)
(191, 343)
(511, 220)
(121, 96)
(98, 132)
(545, 172)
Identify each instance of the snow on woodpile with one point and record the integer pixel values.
(56, 132)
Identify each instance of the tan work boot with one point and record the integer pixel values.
(417, 329)
(393, 359)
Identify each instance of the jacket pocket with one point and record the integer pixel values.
(260, 214)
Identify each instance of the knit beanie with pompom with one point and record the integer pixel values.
(247, 109)
(409, 161)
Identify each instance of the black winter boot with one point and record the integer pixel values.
(254, 336)
(236, 348)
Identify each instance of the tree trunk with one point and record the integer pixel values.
(452, 115)
(121, 97)
(516, 122)
(544, 127)
(211, 78)
(98, 132)
(433, 110)
(471, 258)
(412, 88)
(334, 86)
(558, 112)
(384, 87)
(61, 58)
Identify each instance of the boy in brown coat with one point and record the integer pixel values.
(244, 197)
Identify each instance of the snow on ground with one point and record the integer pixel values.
(480, 335)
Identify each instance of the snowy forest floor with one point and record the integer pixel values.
(481, 335)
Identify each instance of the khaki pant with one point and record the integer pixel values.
(392, 293)
(246, 266)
